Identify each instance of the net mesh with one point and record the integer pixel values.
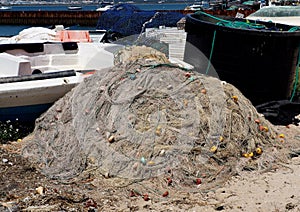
(145, 117)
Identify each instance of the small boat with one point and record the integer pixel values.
(5, 8)
(74, 8)
(289, 15)
(105, 5)
(105, 8)
(259, 58)
(201, 6)
(194, 7)
(35, 75)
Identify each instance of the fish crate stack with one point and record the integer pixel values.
(174, 37)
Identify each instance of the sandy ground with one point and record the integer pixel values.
(24, 188)
(276, 190)
(271, 191)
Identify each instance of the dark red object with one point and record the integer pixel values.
(169, 181)
(165, 194)
(198, 181)
(133, 194)
(188, 74)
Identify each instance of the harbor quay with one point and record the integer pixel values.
(35, 18)
(69, 18)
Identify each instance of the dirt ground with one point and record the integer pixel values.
(24, 188)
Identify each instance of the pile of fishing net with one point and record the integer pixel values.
(126, 19)
(146, 118)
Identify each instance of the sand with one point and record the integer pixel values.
(272, 190)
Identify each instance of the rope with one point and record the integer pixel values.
(246, 25)
(240, 24)
(294, 29)
(234, 24)
(211, 52)
(296, 77)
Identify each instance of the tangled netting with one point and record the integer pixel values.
(145, 117)
(127, 19)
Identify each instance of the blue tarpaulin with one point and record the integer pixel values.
(127, 19)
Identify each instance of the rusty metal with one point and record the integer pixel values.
(68, 18)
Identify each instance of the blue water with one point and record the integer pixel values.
(147, 6)
(10, 30)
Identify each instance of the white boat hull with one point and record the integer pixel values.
(25, 95)
(293, 21)
(289, 15)
(27, 100)
(36, 92)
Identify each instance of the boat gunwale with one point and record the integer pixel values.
(260, 32)
(274, 55)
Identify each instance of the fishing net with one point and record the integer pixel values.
(147, 118)
(126, 19)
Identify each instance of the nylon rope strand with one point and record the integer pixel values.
(233, 24)
(293, 29)
(296, 77)
(211, 52)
